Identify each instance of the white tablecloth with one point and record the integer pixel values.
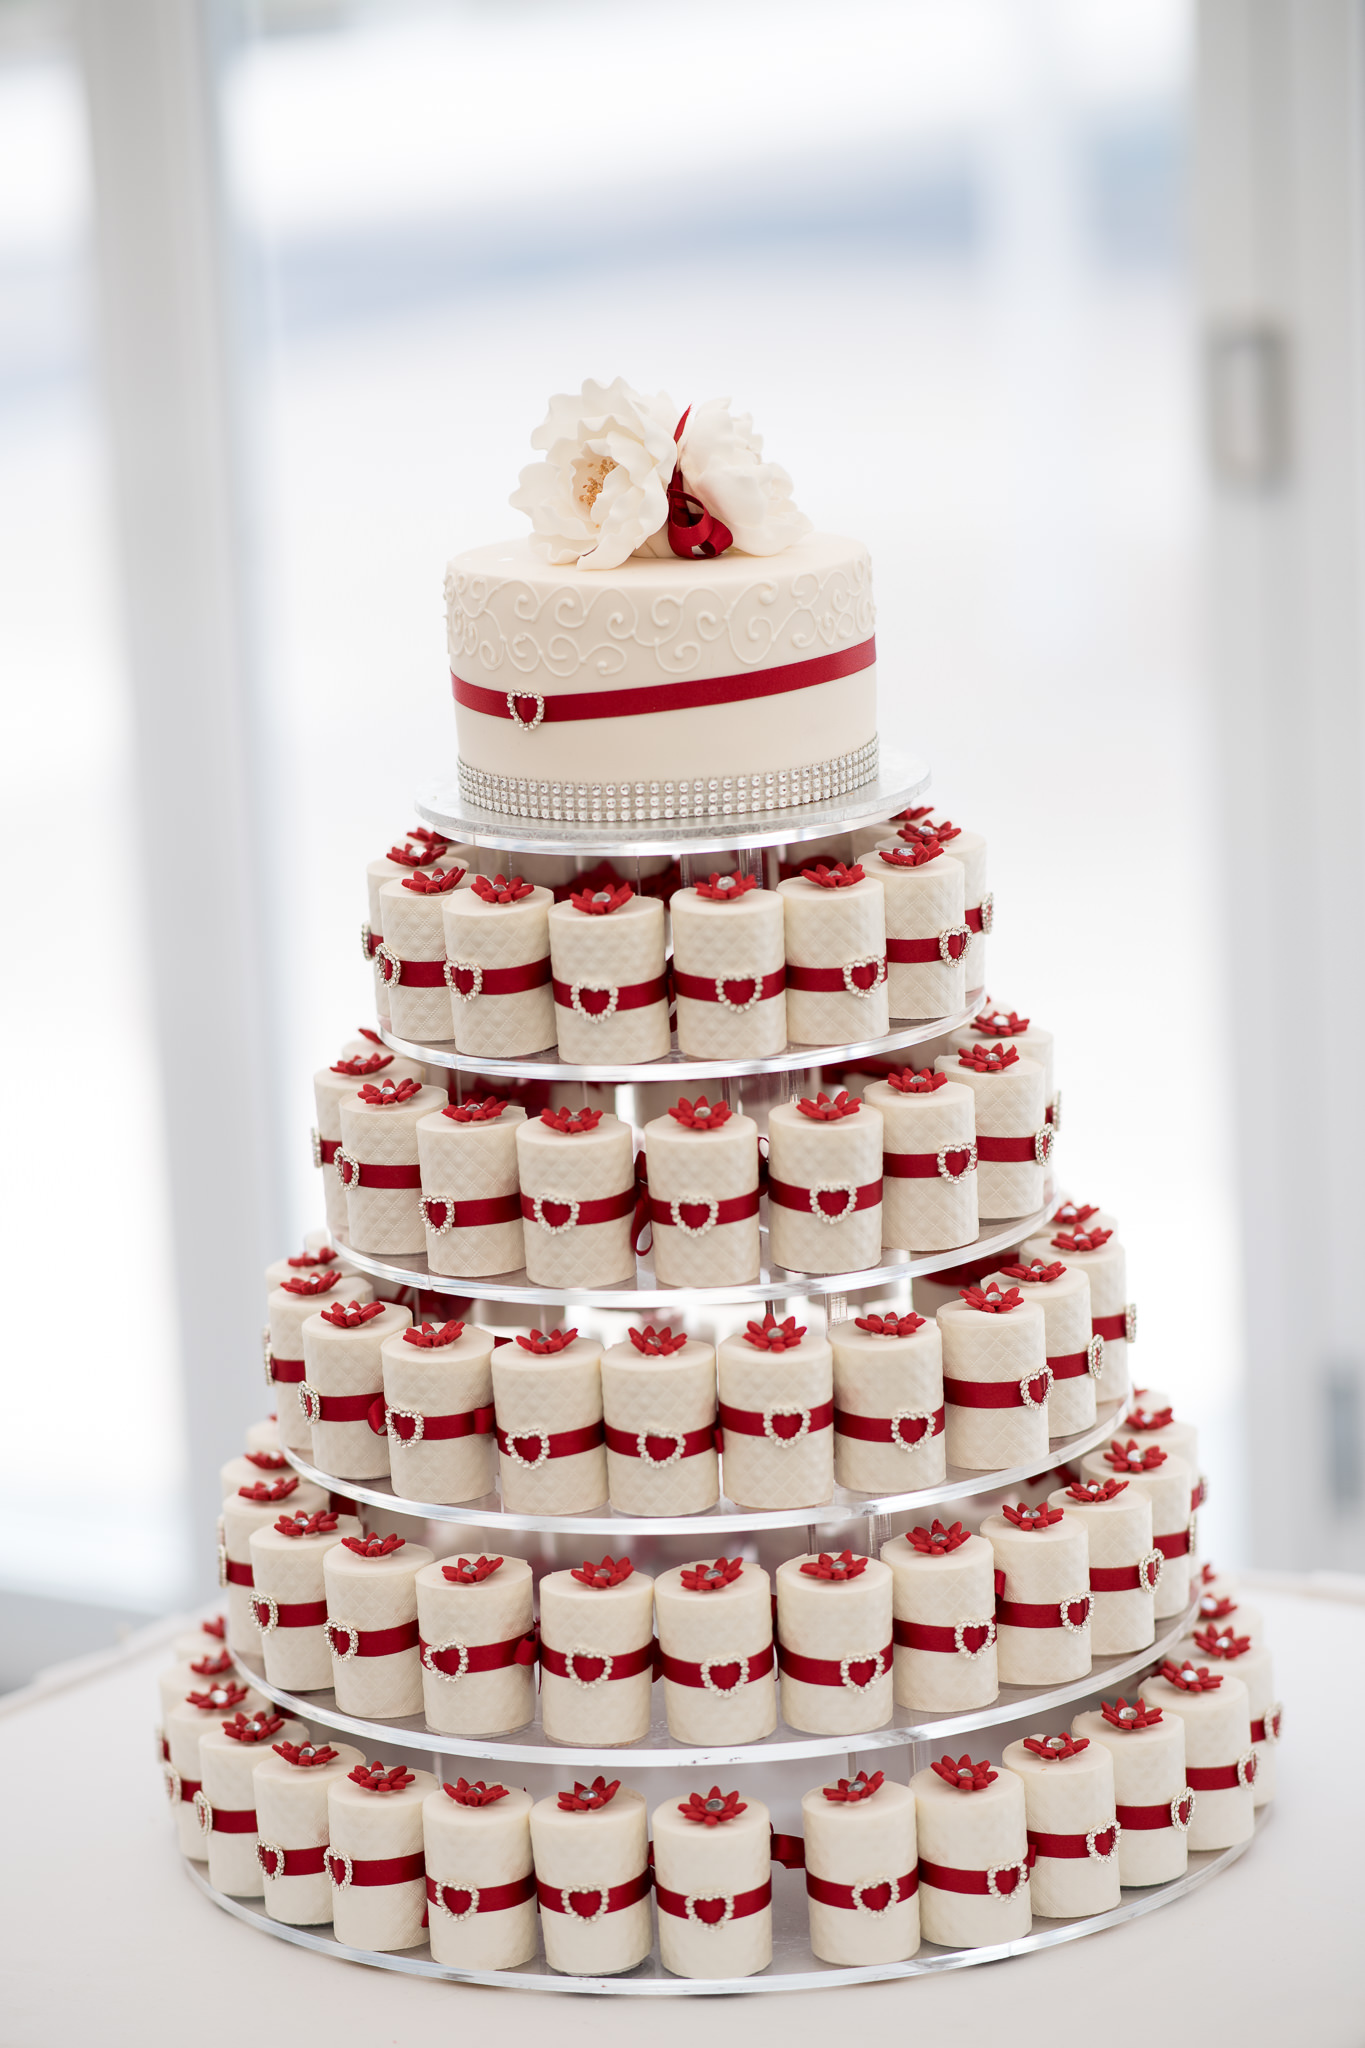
(1270, 1951)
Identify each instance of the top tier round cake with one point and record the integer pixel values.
(672, 640)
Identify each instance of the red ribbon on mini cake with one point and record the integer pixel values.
(327, 1150)
(604, 1898)
(558, 1443)
(834, 1670)
(978, 918)
(747, 1670)
(1220, 1777)
(235, 1574)
(945, 1878)
(947, 1639)
(232, 1820)
(711, 1909)
(278, 1862)
(338, 1407)
(889, 1429)
(1070, 1365)
(828, 981)
(947, 946)
(1177, 1545)
(691, 695)
(460, 1899)
(866, 1898)
(1144, 1819)
(1119, 1578)
(633, 1443)
(1076, 1848)
(469, 1215)
(454, 1660)
(603, 1209)
(359, 1173)
(733, 1209)
(287, 1613)
(787, 1196)
(433, 1429)
(1034, 1150)
(373, 1642)
(374, 1870)
(630, 995)
(411, 973)
(188, 1788)
(749, 989)
(932, 1165)
(1110, 1327)
(610, 1665)
(286, 1372)
(998, 1393)
(495, 981)
(755, 1421)
(1044, 1613)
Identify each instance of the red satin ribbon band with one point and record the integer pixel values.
(631, 995)
(868, 1196)
(944, 1878)
(413, 973)
(733, 1209)
(1177, 1545)
(1042, 1613)
(1258, 1733)
(975, 918)
(237, 1574)
(291, 1862)
(739, 1904)
(923, 1635)
(831, 1670)
(233, 1820)
(925, 1165)
(291, 1613)
(887, 1429)
(603, 1209)
(627, 1443)
(497, 981)
(1073, 1848)
(439, 1428)
(1118, 1578)
(372, 1870)
(1071, 1365)
(188, 1788)
(327, 1150)
(469, 1215)
(559, 1443)
(1142, 1819)
(753, 1421)
(455, 1663)
(561, 1900)
(373, 1642)
(1213, 1777)
(1008, 1151)
(698, 988)
(371, 940)
(360, 1174)
(339, 1407)
(692, 695)
(624, 1663)
(1111, 1328)
(864, 1897)
(484, 1898)
(830, 981)
(920, 952)
(990, 1393)
(788, 1850)
(286, 1372)
(757, 1665)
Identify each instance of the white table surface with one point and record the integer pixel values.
(107, 1942)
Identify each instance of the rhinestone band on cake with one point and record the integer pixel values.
(633, 803)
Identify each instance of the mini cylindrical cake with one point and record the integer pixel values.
(208, 1640)
(377, 1166)
(416, 852)
(1151, 1418)
(471, 1197)
(477, 1643)
(596, 1653)
(289, 1595)
(610, 989)
(1220, 1763)
(943, 1602)
(1152, 1803)
(319, 1255)
(1069, 1805)
(290, 1787)
(547, 1389)
(825, 1184)
(1075, 1356)
(438, 1410)
(1125, 1567)
(342, 1392)
(970, 849)
(888, 1403)
(928, 1161)
(247, 1469)
(1098, 1254)
(716, 1651)
(255, 1507)
(702, 1165)
(713, 1884)
(1042, 1616)
(1013, 1138)
(591, 1851)
(1167, 1482)
(990, 1026)
(1223, 1647)
(776, 1384)
(927, 939)
(225, 1805)
(195, 1674)
(411, 960)
(834, 1648)
(836, 956)
(481, 1885)
(331, 1087)
(862, 1880)
(1218, 1602)
(729, 969)
(577, 1173)
(188, 1721)
(995, 1379)
(498, 968)
(930, 1291)
(659, 1419)
(290, 1306)
(372, 1627)
(973, 1854)
(376, 1861)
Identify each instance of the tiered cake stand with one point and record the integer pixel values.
(785, 1764)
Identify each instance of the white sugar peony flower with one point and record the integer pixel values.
(720, 458)
(603, 488)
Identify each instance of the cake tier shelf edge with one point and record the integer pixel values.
(896, 785)
(657, 1750)
(793, 1967)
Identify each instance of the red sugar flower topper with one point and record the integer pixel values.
(374, 1546)
(305, 1754)
(321, 1524)
(770, 1335)
(266, 1461)
(1144, 1419)
(323, 1256)
(1082, 1240)
(268, 1489)
(218, 1699)
(839, 876)
(709, 1578)
(890, 1325)
(477, 1794)
(660, 1343)
(389, 1094)
(587, 1798)
(373, 1063)
(964, 1775)
(437, 841)
(826, 1111)
(988, 1059)
(602, 1577)
(1055, 1749)
(714, 1808)
(1213, 1606)
(1041, 1517)
(364, 1031)
(375, 1778)
(913, 815)
(349, 1315)
(501, 889)
(916, 854)
(1000, 1023)
(849, 1791)
(468, 1571)
(544, 1343)
(428, 1337)
(436, 882)
(992, 1300)
(602, 902)
(1037, 1273)
(726, 888)
(1068, 1215)
(253, 1727)
(571, 1121)
(1221, 1642)
(413, 853)
(923, 827)
(1130, 1458)
(1190, 1677)
(216, 1625)
(844, 1566)
(212, 1667)
(314, 1283)
(1092, 1490)
(1127, 1715)
(484, 1112)
(701, 1115)
(906, 1081)
(936, 1541)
